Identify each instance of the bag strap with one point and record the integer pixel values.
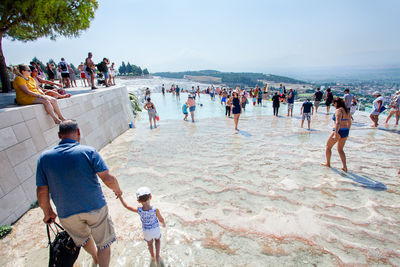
(48, 227)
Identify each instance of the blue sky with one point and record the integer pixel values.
(259, 36)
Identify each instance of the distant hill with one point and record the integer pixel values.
(232, 78)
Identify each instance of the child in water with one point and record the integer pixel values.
(150, 217)
(185, 112)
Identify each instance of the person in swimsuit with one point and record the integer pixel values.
(395, 108)
(151, 219)
(90, 69)
(185, 111)
(244, 100)
(49, 68)
(224, 96)
(254, 98)
(191, 104)
(329, 99)
(290, 101)
(228, 106)
(151, 110)
(236, 108)
(198, 91)
(342, 120)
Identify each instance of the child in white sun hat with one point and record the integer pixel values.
(150, 217)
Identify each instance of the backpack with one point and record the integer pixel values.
(63, 66)
(102, 67)
(63, 251)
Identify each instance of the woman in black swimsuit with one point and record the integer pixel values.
(236, 108)
(50, 72)
(329, 100)
(152, 112)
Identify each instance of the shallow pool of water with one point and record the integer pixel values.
(259, 197)
(255, 198)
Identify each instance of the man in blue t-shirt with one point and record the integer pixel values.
(290, 101)
(307, 109)
(68, 172)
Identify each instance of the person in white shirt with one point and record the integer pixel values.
(395, 108)
(378, 107)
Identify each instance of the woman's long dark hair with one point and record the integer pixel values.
(340, 104)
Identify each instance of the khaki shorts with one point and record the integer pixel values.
(316, 103)
(306, 116)
(97, 224)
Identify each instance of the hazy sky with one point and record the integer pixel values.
(254, 35)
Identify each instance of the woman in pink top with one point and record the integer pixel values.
(191, 104)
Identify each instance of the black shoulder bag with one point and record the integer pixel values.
(63, 251)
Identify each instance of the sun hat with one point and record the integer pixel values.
(142, 191)
(376, 93)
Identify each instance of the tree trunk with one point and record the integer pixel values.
(5, 79)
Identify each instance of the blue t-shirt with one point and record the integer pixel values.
(291, 100)
(307, 107)
(69, 170)
(184, 109)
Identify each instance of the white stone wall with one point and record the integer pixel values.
(26, 131)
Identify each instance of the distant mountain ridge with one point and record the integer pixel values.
(232, 78)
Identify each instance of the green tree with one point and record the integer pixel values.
(145, 72)
(122, 68)
(28, 20)
(129, 68)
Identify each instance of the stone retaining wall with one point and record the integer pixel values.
(26, 131)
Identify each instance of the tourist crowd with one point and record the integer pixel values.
(235, 101)
(33, 85)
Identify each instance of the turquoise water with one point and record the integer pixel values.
(259, 197)
(169, 107)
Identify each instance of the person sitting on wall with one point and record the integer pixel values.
(48, 87)
(28, 93)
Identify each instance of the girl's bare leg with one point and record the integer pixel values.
(150, 247)
(158, 243)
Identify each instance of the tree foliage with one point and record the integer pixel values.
(27, 20)
(131, 70)
(122, 68)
